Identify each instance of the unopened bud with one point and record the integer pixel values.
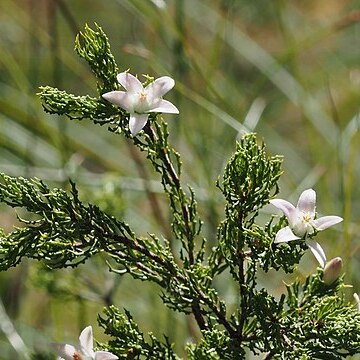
(332, 270)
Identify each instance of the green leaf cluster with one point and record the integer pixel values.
(129, 342)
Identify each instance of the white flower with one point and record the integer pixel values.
(302, 222)
(357, 299)
(140, 101)
(85, 349)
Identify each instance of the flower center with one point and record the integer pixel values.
(77, 356)
(306, 218)
(142, 96)
(141, 104)
(303, 224)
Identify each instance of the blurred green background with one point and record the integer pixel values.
(288, 70)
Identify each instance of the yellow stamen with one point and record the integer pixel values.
(142, 96)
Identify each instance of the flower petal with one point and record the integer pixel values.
(121, 99)
(137, 122)
(286, 207)
(317, 250)
(307, 202)
(86, 341)
(129, 82)
(65, 351)
(105, 355)
(284, 235)
(324, 222)
(165, 106)
(160, 87)
(357, 299)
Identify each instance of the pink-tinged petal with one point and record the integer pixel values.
(307, 202)
(65, 351)
(137, 122)
(164, 106)
(129, 82)
(324, 222)
(160, 87)
(317, 250)
(105, 355)
(284, 235)
(86, 341)
(121, 99)
(286, 207)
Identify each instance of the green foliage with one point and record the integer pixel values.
(319, 324)
(67, 232)
(93, 46)
(215, 345)
(128, 341)
(285, 257)
(250, 179)
(311, 321)
(75, 107)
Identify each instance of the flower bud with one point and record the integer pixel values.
(332, 270)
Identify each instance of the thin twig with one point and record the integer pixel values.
(181, 279)
(176, 183)
(153, 200)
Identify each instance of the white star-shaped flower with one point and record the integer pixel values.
(302, 222)
(84, 351)
(140, 101)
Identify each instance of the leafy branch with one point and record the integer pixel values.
(311, 321)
